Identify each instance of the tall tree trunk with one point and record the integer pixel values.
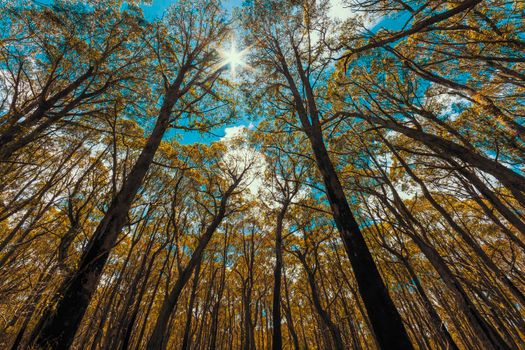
(220, 293)
(12, 139)
(437, 322)
(60, 324)
(140, 335)
(156, 340)
(335, 333)
(488, 336)
(458, 229)
(512, 180)
(385, 320)
(215, 311)
(186, 340)
(288, 312)
(277, 341)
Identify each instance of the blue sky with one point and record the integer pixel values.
(156, 9)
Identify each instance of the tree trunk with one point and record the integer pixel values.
(509, 178)
(289, 318)
(487, 335)
(157, 341)
(277, 341)
(186, 341)
(385, 320)
(60, 325)
(462, 233)
(436, 320)
(323, 314)
(8, 139)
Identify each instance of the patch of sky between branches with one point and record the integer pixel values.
(340, 11)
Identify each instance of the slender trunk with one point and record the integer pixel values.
(277, 341)
(33, 302)
(507, 213)
(150, 305)
(462, 233)
(288, 312)
(487, 335)
(437, 322)
(129, 323)
(490, 214)
(202, 320)
(186, 341)
(335, 334)
(8, 139)
(356, 297)
(107, 312)
(216, 309)
(248, 340)
(512, 180)
(157, 341)
(220, 293)
(119, 325)
(385, 319)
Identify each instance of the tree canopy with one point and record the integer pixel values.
(357, 180)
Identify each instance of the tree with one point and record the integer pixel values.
(376, 160)
(196, 69)
(289, 52)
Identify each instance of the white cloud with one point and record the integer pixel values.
(449, 104)
(339, 10)
(233, 132)
(243, 152)
(344, 9)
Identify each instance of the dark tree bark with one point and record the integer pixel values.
(248, 324)
(417, 27)
(385, 319)
(60, 325)
(436, 320)
(335, 333)
(157, 339)
(467, 238)
(13, 138)
(512, 180)
(288, 313)
(277, 341)
(217, 305)
(186, 340)
(486, 334)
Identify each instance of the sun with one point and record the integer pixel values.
(233, 58)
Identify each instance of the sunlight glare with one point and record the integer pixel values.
(233, 58)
